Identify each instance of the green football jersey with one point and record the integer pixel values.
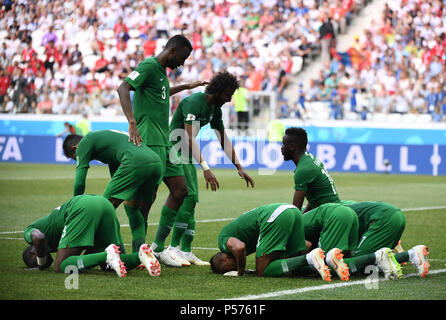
(311, 176)
(247, 227)
(368, 211)
(151, 101)
(107, 146)
(193, 109)
(53, 224)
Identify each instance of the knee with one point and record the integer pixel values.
(115, 202)
(180, 193)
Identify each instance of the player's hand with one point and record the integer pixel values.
(134, 135)
(49, 261)
(197, 84)
(247, 178)
(211, 180)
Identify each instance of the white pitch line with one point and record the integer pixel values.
(424, 208)
(323, 287)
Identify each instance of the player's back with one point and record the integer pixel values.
(107, 146)
(311, 176)
(368, 211)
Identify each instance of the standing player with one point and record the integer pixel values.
(149, 123)
(85, 222)
(311, 179)
(193, 113)
(135, 172)
(275, 233)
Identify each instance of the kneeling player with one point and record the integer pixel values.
(85, 222)
(333, 228)
(381, 225)
(275, 234)
(135, 173)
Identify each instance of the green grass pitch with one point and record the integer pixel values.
(30, 191)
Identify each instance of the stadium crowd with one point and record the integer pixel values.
(396, 66)
(68, 57)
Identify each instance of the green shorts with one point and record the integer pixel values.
(91, 222)
(169, 168)
(136, 178)
(339, 228)
(285, 233)
(384, 232)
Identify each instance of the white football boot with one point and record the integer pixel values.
(315, 258)
(385, 260)
(193, 259)
(149, 260)
(171, 257)
(335, 260)
(418, 257)
(114, 260)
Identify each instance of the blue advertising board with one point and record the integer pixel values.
(263, 155)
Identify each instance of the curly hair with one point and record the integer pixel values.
(221, 81)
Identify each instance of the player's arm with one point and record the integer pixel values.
(79, 181)
(126, 105)
(83, 156)
(238, 250)
(226, 145)
(298, 199)
(194, 149)
(307, 208)
(40, 243)
(187, 86)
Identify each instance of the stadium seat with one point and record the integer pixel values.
(134, 33)
(90, 61)
(297, 64)
(160, 43)
(40, 52)
(424, 118)
(394, 117)
(409, 118)
(108, 33)
(353, 116)
(132, 43)
(85, 48)
(232, 33)
(3, 34)
(378, 117)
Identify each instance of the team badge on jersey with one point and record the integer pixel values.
(134, 75)
(190, 117)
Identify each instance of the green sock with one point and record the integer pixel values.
(402, 256)
(84, 262)
(359, 263)
(137, 226)
(181, 221)
(188, 236)
(288, 266)
(165, 224)
(131, 260)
